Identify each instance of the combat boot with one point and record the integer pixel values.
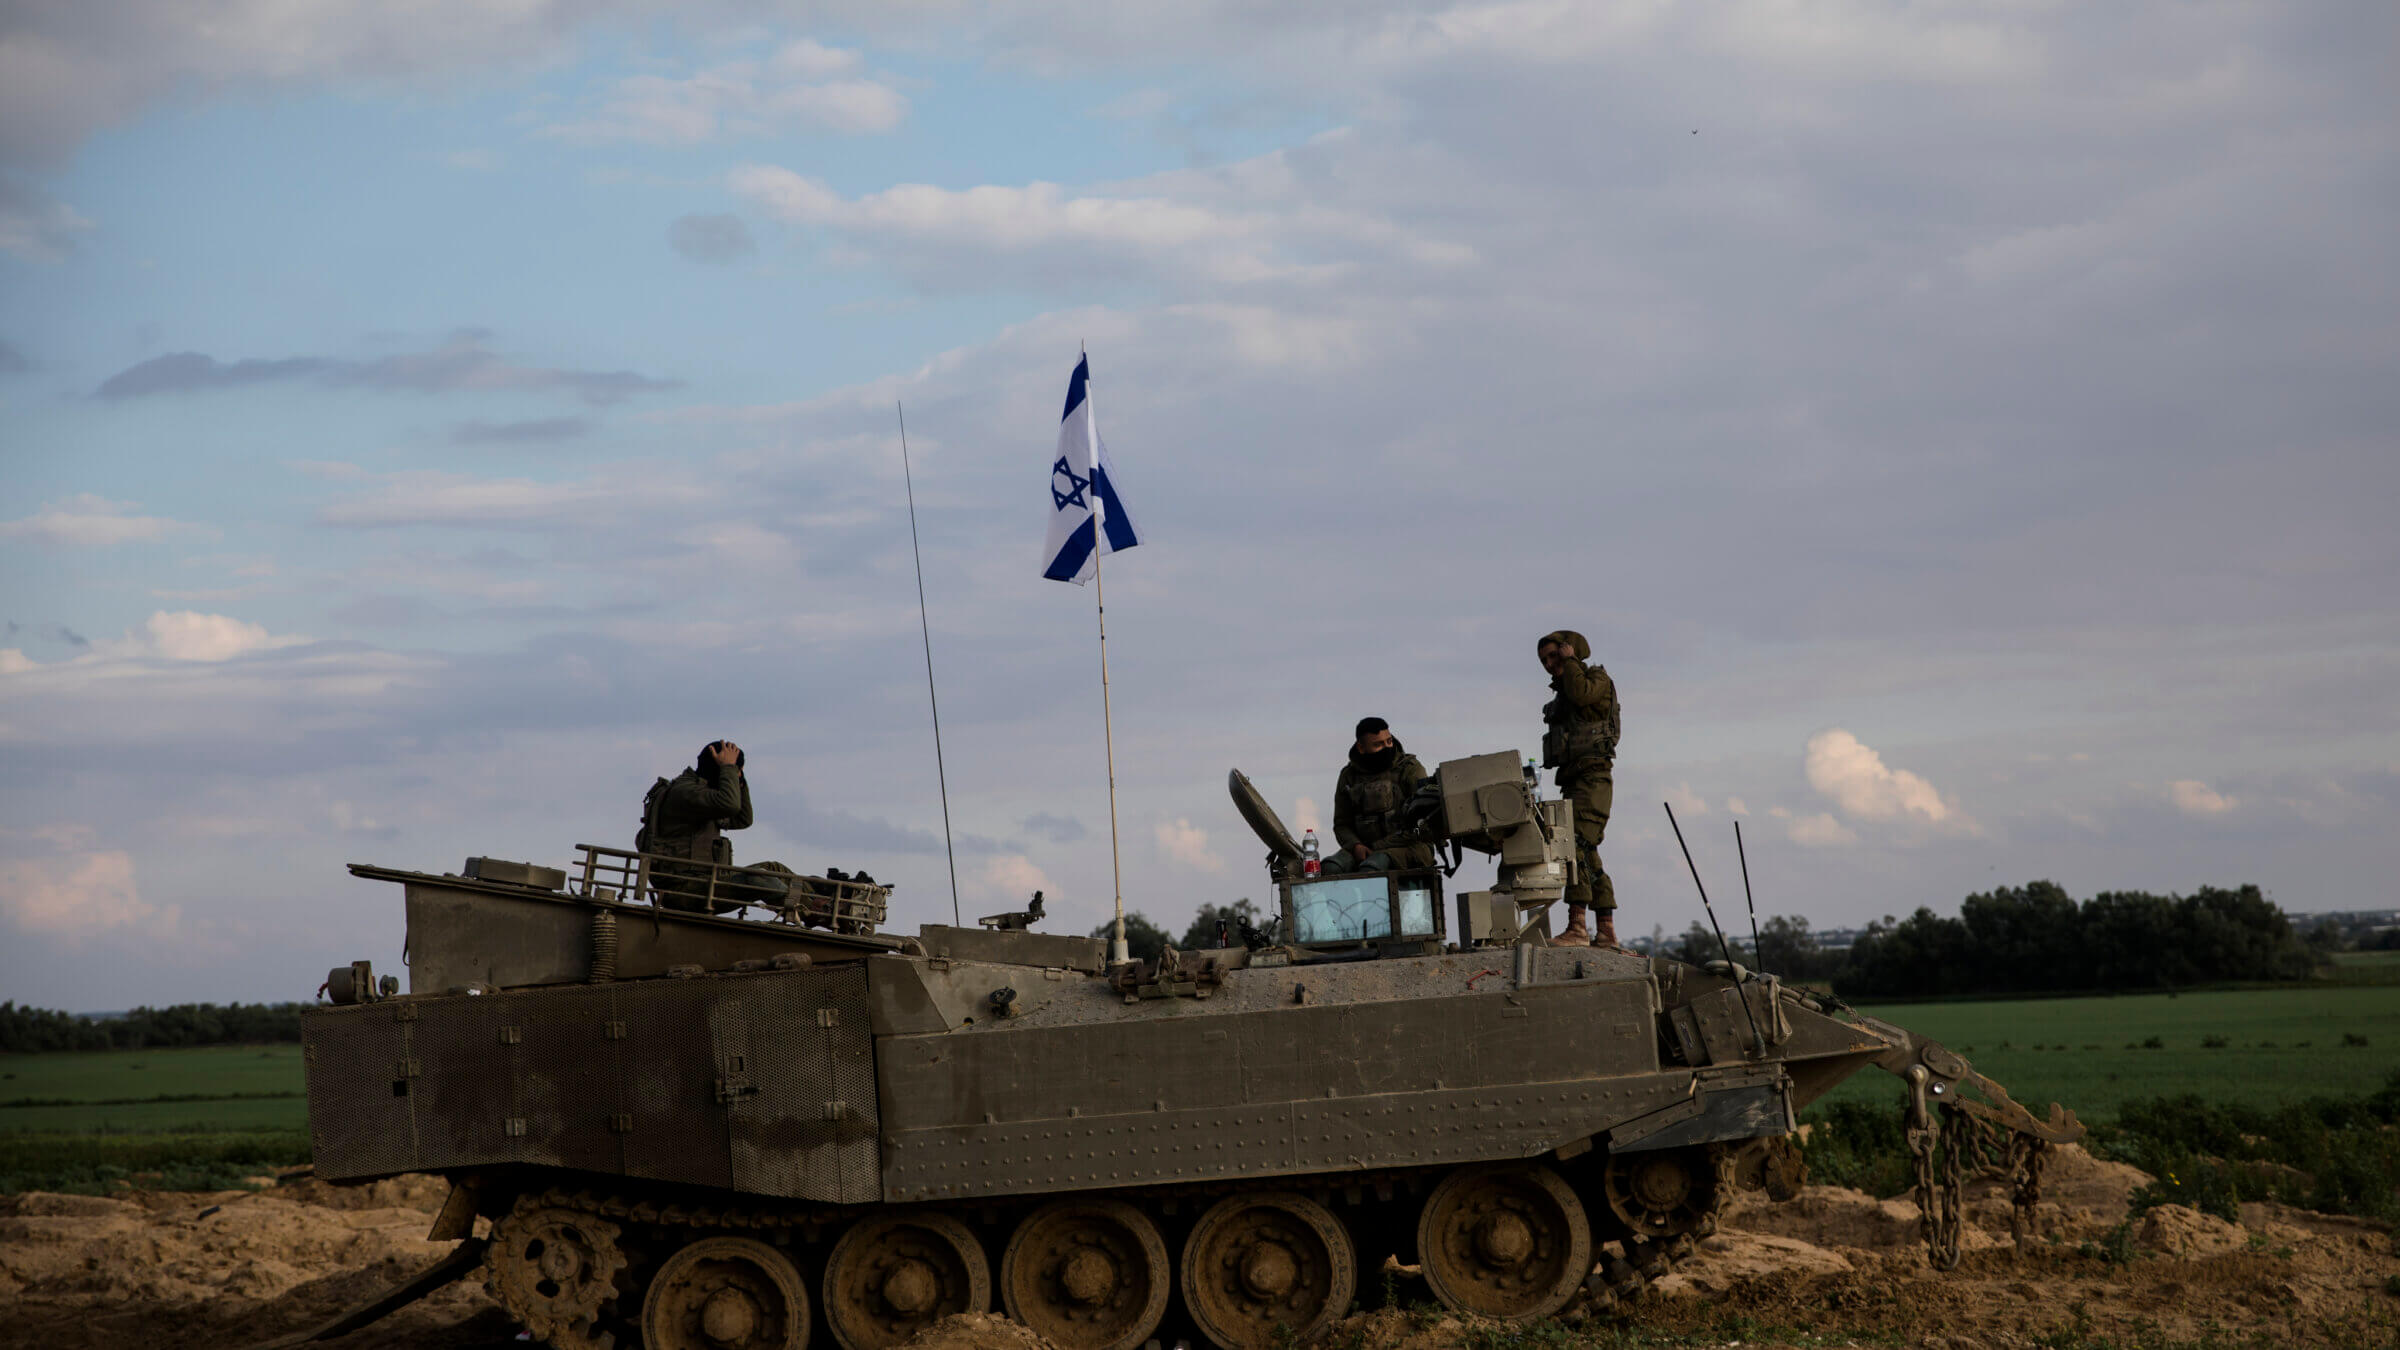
(1575, 935)
(1604, 930)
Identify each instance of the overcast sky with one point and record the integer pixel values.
(1966, 432)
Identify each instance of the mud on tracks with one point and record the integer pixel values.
(216, 1272)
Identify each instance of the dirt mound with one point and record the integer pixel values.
(978, 1331)
(2177, 1231)
(215, 1272)
(224, 1269)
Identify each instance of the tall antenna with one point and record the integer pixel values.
(1757, 954)
(1712, 922)
(925, 626)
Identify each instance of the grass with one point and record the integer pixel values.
(2366, 968)
(2280, 1046)
(172, 1117)
(187, 1119)
(97, 1164)
(140, 1075)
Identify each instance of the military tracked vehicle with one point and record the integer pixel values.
(776, 1127)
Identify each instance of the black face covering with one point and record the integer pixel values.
(1380, 760)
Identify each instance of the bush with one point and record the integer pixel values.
(2333, 1155)
(1859, 1145)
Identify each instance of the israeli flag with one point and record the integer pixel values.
(1084, 506)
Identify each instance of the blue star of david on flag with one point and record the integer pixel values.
(1073, 496)
(1087, 516)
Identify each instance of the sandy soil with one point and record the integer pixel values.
(211, 1272)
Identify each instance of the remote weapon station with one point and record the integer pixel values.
(758, 1123)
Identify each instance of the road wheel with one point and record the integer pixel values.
(1266, 1270)
(1506, 1240)
(555, 1270)
(726, 1293)
(1087, 1274)
(1660, 1193)
(893, 1275)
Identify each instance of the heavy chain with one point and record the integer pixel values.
(2026, 1155)
(1937, 1196)
(1968, 1147)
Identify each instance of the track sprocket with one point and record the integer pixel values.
(555, 1268)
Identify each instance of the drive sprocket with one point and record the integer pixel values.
(555, 1268)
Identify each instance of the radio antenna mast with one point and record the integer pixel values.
(1757, 954)
(925, 626)
(1741, 993)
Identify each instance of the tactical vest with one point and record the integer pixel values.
(704, 844)
(1577, 734)
(1378, 800)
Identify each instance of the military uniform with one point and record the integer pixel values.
(687, 819)
(1367, 804)
(1580, 741)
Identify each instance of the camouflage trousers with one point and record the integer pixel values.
(1592, 795)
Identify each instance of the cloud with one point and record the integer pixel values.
(167, 635)
(1305, 816)
(67, 71)
(1186, 843)
(88, 521)
(78, 895)
(32, 226)
(1735, 806)
(1014, 877)
(715, 239)
(1056, 829)
(1820, 831)
(463, 363)
(2195, 798)
(12, 361)
(1170, 234)
(185, 635)
(434, 497)
(1855, 777)
(798, 88)
(1689, 802)
(349, 820)
(534, 431)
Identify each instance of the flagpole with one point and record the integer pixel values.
(1117, 954)
(925, 626)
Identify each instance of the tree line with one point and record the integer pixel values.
(2038, 939)
(2011, 940)
(34, 1030)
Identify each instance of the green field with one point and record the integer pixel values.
(2367, 967)
(224, 1087)
(2281, 1045)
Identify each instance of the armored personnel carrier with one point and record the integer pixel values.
(776, 1127)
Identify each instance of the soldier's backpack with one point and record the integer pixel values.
(650, 804)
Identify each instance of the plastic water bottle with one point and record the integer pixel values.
(1310, 868)
(1533, 778)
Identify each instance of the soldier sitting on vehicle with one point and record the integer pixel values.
(1367, 802)
(685, 818)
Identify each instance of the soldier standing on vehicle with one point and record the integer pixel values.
(685, 818)
(1580, 742)
(1374, 786)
